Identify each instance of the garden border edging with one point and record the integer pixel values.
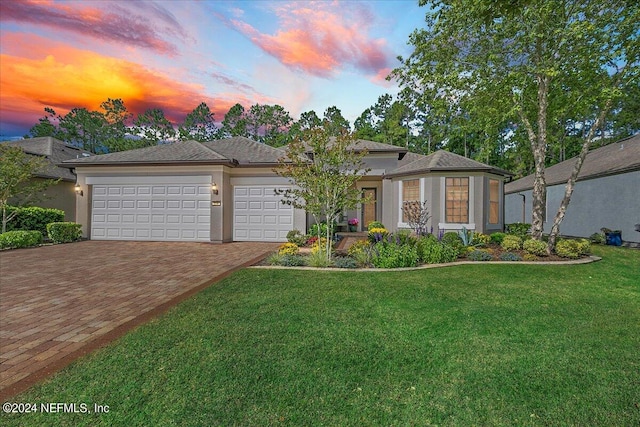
(588, 260)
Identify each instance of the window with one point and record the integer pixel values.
(457, 200)
(494, 201)
(410, 195)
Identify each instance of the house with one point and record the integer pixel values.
(223, 191)
(61, 195)
(606, 193)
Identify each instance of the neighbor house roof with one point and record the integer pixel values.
(618, 157)
(55, 152)
(441, 161)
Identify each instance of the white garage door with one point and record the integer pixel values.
(259, 215)
(152, 209)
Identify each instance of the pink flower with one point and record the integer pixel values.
(354, 221)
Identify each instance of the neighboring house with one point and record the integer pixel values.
(62, 195)
(223, 191)
(606, 193)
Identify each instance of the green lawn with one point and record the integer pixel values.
(467, 345)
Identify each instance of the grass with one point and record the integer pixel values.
(466, 345)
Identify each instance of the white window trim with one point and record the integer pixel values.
(443, 203)
(402, 224)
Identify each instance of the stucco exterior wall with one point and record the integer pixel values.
(610, 201)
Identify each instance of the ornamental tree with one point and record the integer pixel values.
(323, 171)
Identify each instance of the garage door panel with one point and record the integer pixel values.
(259, 214)
(151, 212)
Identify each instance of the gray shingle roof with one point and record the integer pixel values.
(615, 158)
(55, 152)
(177, 152)
(232, 151)
(245, 151)
(440, 161)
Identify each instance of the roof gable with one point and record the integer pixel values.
(614, 158)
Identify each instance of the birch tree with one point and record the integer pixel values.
(323, 172)
(529, 63)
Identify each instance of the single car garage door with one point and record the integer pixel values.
(166, 208)
(259, 215)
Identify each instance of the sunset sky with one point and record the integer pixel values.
(174, 54)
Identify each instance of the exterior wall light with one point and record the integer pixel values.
(78, 190)
(214, 188)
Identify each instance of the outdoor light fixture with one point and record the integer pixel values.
(78, 190)
(214, 188)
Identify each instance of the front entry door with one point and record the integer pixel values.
(369, 208)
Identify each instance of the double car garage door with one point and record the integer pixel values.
(178, 208)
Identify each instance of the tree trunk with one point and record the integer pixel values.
(539, 195)
(562, 210)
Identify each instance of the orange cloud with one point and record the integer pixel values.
(65, 78)
(320, 39)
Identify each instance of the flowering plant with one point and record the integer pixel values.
(354, 221)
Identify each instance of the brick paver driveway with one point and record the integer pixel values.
(59, 302)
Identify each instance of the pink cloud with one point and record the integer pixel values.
(117, 25)
(321, 38)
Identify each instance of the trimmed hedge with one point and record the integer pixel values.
(20, 239)
(64, 232)
(33, 218)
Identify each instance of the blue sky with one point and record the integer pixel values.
(175, 54)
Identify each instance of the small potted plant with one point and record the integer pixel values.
(353, 225)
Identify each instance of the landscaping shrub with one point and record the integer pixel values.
(509, 256)
(529, 257)
(274, 259)
(360, 251)
(497, 237)
(288, 249)
(358, 246)
(320, 245)
(430, 251)
(452, 239)
(535, 247)
(568, 249)
(377, 234)
(318, 258)
(584, 247)
(295, 236)
(478, 255)
(319, 229)
(33, 218)
(392, 255)
(374, 224)
(519, 229)
(404, 237)
(597, 239)
(64, 232)
(511, 243)
(20, 239)
(345, 262)
(292, 261)
(480, 239)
